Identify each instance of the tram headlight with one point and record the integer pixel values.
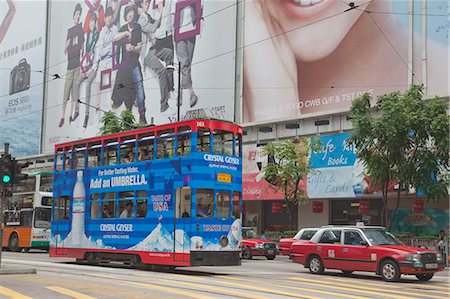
(224, 241)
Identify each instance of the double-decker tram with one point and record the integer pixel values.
(161, 195)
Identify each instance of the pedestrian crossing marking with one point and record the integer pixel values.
(158, 287)
(295, 288)
(12, 294)
(209, 288)
(363, 290)
(415, 286)
(69, 293)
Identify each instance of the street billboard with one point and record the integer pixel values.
(123, 54)
(22, 74)
(316, 58)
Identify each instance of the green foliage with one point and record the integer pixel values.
(127, 121)
(112, 124)
(405, 140)
(290, 167)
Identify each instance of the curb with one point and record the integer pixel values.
(10, 271)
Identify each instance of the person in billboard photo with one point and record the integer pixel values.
(97, 9)
(116, 6)
(8, 19)
(87, 73)
(155, 55)
(73, 48)
(323, 54)
(129, 87)
(185, 50)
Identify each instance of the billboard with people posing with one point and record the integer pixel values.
(129, 54)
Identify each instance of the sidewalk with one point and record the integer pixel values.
(16, 269)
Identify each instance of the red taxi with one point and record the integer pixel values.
(368, 249)
(305, 234)
(252, 246)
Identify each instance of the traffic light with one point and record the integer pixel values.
(6, 170)
(17, 174)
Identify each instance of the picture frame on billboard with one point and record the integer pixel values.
(121, 58)
(86, 67)
(105, 79)
(180, 6)
(74, 34)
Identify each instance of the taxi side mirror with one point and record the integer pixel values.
(363, 243)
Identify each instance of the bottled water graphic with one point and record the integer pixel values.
(235, 234)
(79, 199)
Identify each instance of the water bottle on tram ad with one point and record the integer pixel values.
(78, 209)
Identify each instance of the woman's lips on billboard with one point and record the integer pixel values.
(305, 9)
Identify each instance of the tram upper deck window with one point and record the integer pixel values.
(205, 203)
(238, 146)
(127, 153)
(183, 144)
(110, 154)
(59, 160)
(94, 154)
(203, 140)
(223, 142)
(146, 147)
(165, 147)
(79, 159)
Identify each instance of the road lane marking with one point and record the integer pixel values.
(363, 290)
(412, 285)
(69, 293)
(188, 276)
(214, 289)
(294, 288)
(12, 294)
(158, 287)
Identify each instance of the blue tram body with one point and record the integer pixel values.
(180, 209)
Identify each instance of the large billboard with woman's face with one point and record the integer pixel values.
(129, 55)
(315, 57)
(22, 74)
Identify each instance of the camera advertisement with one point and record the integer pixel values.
(324, 54)
(117, 55)
(22, 74)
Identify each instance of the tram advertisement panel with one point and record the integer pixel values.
(117, 55)
(136, 210)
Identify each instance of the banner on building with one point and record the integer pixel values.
(316, 67)
(22, 74)
(317, 207)
(117, 55)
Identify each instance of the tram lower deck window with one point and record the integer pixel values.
(205, 203)
(223, 204)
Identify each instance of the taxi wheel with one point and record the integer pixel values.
(390, 271)
(247, 253)
(424, 277)
(270, 257)
(315, 265)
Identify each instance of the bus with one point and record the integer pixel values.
(27, 213)
(162, 195)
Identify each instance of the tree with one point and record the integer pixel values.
(112, 124)
(288, 165)
(403, 140)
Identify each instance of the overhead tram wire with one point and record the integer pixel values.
(204, 60)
